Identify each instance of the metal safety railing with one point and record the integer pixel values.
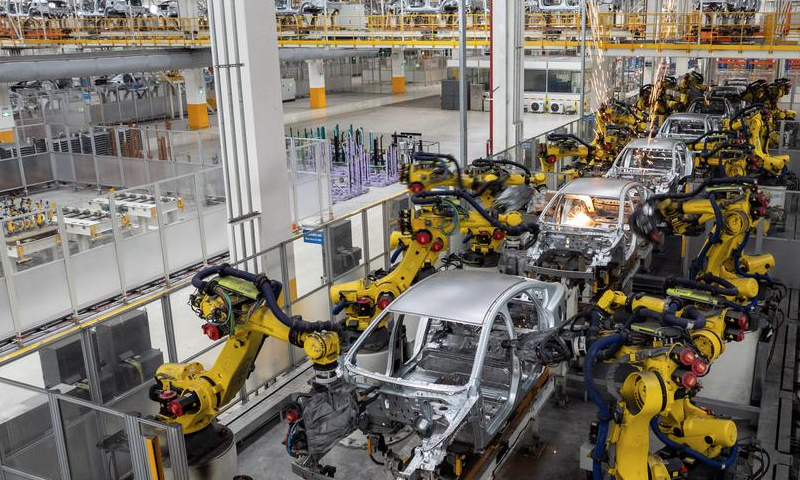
(706, 31)
(307, 264)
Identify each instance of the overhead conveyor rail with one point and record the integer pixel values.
(712, 34)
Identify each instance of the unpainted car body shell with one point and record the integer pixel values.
(659, 179)
(593, 247)
(477, 300)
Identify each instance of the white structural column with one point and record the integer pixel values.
(316, 83)
(187, 8)
(649, 65)
(398, 71)
(508, 74)
(681, 66)
(196, 101)
(6, 115)
(245, 50)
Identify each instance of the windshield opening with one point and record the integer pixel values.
(583, 211)
(647, 158)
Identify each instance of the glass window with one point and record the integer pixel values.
(686, 127)
(535, 81)
(559, 81)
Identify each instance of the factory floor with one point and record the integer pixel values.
(419, 110)
(556, 456)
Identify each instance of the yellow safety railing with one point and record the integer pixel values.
(635, 31)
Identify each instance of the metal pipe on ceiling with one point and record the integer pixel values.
(93, 64)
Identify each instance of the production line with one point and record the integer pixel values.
(435, 375)
(492, 292)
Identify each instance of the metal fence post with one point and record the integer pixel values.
(72, 155)
(161, 232)
(8, 272)
(365, 240)
(327, 257)
(115, 229)
(200, 151)
(136, 446)
(287, 290)
(169, 328)
(94, 158)
(59, 436)
(199, 200)
(386, 235)
(64, 241)
(17, 136)
(146, 141)
(90, 359)
(177, 452)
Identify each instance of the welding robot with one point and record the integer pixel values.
(733, 207)
(242, 308)
(616, 124)
(492, 213)
(661, 346)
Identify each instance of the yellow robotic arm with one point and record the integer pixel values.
(657, 395)
(485, 178)
(241, 307)
(734, 206)
(424, 234)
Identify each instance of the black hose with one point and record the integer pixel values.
(694, 321)
(433, 198)
(706, 183)
(432, 157)
(727, 288)
(555, 137)
(270, 289)
(486, 162)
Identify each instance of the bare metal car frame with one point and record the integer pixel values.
(461, 412)
(658, 178)
(602, 248)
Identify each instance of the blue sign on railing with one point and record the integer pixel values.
(315, 237)
(87, 95)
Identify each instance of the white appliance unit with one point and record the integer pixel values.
(537, 106)
(555, 106)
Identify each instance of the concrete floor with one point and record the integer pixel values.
(555, 458)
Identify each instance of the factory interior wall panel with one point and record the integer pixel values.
(62, 167)
(308, 196)
(96, 275)
(182, 248)
(6, 322)
(786, 272)
(272, 360)
(731, 377)
(38, 168)
(49, 280)
(135, 172)
(309, 266)
(84, 168)
(108, 171)
(189, 339)
(10, 178)
(214, 221)
(141, 257)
